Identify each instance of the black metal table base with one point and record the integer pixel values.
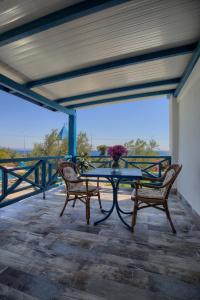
(115, 185)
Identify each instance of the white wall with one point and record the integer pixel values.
(189, 139)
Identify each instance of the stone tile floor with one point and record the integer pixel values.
(43, 256)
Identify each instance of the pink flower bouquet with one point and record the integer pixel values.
(116, 152)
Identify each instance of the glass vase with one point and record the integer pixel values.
(115, 164)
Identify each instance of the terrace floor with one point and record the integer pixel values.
(43, 256)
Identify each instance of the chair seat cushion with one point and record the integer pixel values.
(82, 189)
(148, 194)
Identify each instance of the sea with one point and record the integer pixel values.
(92, 153)
(23, 151)
(160, 152)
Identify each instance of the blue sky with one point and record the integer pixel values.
(111, 124)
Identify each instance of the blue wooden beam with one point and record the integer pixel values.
(28, 94)
(4, 89)
(122, 98)
(72, 136)
(120, 90)
(32, 101)
(181, 50)
(188, 70)
(57, 18)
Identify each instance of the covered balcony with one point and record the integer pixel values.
(71, 55)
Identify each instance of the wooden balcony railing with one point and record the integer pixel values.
(24, 177)
(34, 174)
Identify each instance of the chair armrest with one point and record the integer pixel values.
(75, 181)
(153, 186)
(86, 180)
(153, 179)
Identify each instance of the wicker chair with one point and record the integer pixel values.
(77, 188)
(152, 195)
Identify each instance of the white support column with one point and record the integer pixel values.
(174, 128)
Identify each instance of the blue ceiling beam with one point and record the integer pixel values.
(122, 98)
(28, 94)
(181, 50)
(120, 90)
(57, 18)
(7, 90)
(4, 89)
(188, 70)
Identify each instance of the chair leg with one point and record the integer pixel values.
(66, 201)
(134, 217)
(99, 199)
(88, 210)
(74, 202)
(169, 218)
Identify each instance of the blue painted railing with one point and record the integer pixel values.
(38, 174)
(151, 166)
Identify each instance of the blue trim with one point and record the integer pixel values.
(9, 202)
(120, 90)
(181, 50)
(129, 156)
(40, 167)
(22, 90)
(6, 90)
(122, 98)
(32, 101)
(57, 18)
(24, 196)
(188, 70)
(72, 136)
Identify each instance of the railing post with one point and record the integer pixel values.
(36, 176)
(4, 183)
(49, 172)
(43, 177)
(72, 136)
(160, 170)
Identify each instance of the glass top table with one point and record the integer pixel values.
(132, 173)
(115, 177)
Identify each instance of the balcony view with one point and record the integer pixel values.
(99, 150)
